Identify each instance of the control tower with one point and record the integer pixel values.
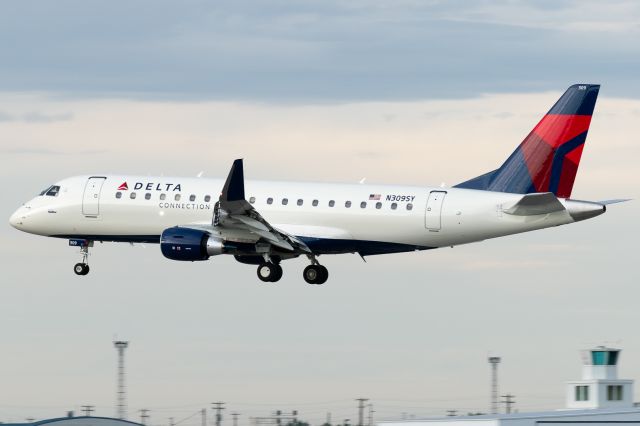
(600, 386)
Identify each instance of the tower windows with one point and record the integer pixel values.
(614, 393)
(582, 393)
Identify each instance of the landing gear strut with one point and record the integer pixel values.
(269, 272)
(82, 268)
(315, 273)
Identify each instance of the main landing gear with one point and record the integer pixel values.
(315, 274)
(82, 268)
(270, 271)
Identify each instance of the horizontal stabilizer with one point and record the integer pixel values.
(616, 201)
(534, 204)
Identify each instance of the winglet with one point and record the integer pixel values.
(233, 189)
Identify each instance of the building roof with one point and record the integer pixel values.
(81, 419)
(529, 415)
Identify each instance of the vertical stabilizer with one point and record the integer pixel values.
(547, 160)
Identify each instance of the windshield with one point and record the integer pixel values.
(51, 191)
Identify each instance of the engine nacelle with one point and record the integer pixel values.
(188, 244)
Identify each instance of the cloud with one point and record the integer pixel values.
(330, 51)
(39, 117)
(36, 117)
(348, 141)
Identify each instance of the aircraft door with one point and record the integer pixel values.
(91, 197)
(433, 213)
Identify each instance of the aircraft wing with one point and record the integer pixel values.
(235, 219)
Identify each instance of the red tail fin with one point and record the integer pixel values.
(548, 158)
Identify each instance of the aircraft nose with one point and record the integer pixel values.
(16, 218)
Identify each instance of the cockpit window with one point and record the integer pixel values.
(51, 191)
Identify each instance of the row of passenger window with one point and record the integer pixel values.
(332, 203)
(176, 197)
(252, 200)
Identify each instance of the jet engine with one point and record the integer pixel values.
(188, 244)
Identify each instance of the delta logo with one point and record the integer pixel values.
(151, 186)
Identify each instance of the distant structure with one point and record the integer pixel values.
(218, 407)
(600, 386)
(494, 361)
(122, 390)
(600, 398)
(70, 420)
(361, 402)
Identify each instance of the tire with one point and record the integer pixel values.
(266, 272)
(312, 274)
(324, 275)
(78, 268)
(277, 273)
(81, 269)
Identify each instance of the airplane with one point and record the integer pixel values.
(264, 223)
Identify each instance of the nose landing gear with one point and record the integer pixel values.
(82, 268)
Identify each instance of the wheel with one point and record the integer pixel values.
(81, 269)
(277, 273)
(313, 274)
(324, 275)
(269, 272)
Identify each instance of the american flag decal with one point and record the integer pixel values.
(374, 197)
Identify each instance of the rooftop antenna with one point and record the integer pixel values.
(121, 345)
(494, 361)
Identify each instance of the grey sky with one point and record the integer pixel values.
(316, 50)
(397, 91)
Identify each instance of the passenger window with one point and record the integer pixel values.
(192, 197)
(118, 194)
(163, 196)
(300, 202)
(409, 206)
(285, 201)
(314, 203)
(252, 200)
(177, 197)
(147, 196)
(347, 204)
(332, 203)
(132, 195)
(363, 204)
(378, 205)
(269, 200)
(207, 198)
(394, 206)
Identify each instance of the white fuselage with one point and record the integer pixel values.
(416, 217)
